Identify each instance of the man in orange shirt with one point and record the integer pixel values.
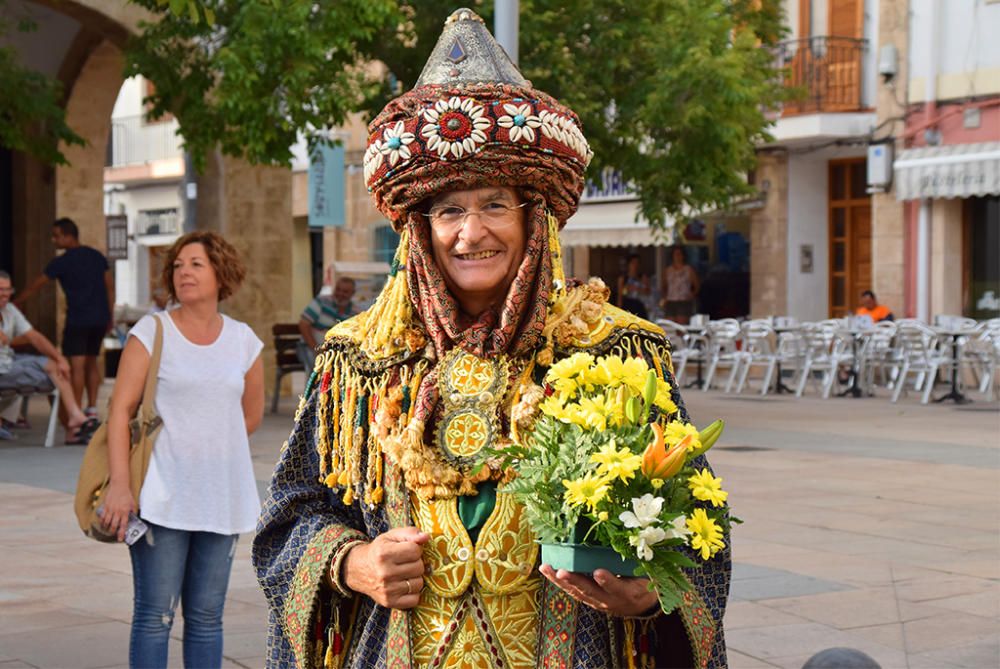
(871, 308)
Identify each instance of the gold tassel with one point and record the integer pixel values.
(629, 649)
(392, 313)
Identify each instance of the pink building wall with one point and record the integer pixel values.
(948, 120)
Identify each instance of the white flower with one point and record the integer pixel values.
(520, 122)
(455, 127)
(647, 537)
(678, 528)
(395, 144)
(647, 508)
(373, 159)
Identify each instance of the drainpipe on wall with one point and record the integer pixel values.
(924, 261)
(924, 216)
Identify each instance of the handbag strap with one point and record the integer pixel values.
(146, 410)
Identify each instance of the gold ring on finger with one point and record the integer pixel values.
(409, 589)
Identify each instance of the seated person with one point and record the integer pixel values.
(20, 371)
(871, 308)
(323, 313)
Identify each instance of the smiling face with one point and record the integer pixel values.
(480, 258)
(194, 277)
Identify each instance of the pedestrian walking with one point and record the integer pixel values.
(86, 279)
(680, 288)
(40, 372)
(199, 492)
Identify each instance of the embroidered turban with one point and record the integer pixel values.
(471, 121)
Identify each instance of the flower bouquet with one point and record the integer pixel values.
(600, 464)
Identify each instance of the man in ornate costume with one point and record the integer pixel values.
(381, 544)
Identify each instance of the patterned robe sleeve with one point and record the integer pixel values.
(303, 531)
(699, 618)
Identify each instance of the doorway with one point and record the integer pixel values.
(850, 217)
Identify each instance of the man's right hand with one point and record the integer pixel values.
(390, 569)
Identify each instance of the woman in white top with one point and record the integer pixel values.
(680, 287)
(199, 492)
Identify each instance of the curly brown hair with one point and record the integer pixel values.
(225, 259)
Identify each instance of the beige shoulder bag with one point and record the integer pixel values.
(94, 470)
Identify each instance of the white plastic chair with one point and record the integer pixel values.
(759, 349)
(877, 355)
(919, 355)
(826, 349)
(680, 351)
(723, 350)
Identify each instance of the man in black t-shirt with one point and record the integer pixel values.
(85, 277)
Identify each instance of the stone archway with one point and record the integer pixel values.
(251, 205)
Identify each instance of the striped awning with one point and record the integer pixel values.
(955, 170)
(608, 224)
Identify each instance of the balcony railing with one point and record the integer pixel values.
(158, 222)
(134, 141)
(827, 70)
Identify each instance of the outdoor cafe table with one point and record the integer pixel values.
(779, 384)
(956, 335)
(703, 332)
(856, 333)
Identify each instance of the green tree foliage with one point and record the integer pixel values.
(32, 118)
(248, 75)
(673, 93)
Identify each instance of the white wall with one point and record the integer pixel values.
(869, 63)
(132, 275)
(961, 36)
(808, 294)
(129, 102)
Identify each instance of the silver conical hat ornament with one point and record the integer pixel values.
(472, 120)
(466, 52)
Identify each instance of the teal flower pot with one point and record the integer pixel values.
(586, 559)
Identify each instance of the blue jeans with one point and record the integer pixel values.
(190, 567)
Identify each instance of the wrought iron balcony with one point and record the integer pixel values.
(158, 222)
(828, 72)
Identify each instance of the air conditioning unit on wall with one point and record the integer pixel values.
(879, 167)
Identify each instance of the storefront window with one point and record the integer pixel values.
(984, 258)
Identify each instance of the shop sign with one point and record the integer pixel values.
(326, 186)
(609, 186)
(117, 232)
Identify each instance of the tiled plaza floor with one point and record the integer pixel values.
(868, 525)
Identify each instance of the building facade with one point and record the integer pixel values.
(885, 174)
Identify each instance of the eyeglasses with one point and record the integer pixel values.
(494, 215)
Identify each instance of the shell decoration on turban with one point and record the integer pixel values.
(472, 117)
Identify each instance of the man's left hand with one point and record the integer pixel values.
(605, 592)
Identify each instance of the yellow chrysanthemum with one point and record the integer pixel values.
(599, 375)
(592, 412)
(555, 406)
(569, 368)
(616, 463)
(663, 399)
(706, 535)
(589, 490)
(634, 371)
(707, 488)
(675, 431)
